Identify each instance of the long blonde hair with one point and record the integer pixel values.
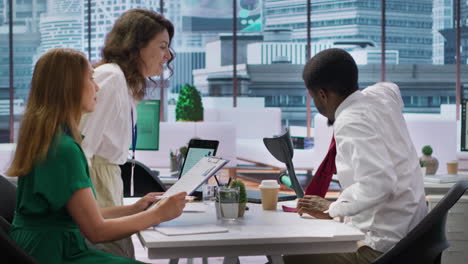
(54, 104)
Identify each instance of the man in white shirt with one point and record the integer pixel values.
(376, 163)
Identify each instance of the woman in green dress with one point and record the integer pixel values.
(56, 204)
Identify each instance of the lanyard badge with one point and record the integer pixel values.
(132, 188)
(134, 140)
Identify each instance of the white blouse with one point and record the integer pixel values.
(108, 130)
(377, 166)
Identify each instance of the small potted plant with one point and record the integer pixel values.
(227, 202)
(189, 105)
(242, 195)
(431, 163)
(423, 167)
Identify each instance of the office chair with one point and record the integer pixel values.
(11, 252)
(282, 149)
(426, 242)
(7, 199)
(144, 180)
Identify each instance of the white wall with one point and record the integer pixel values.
(213, 57)
(221, 102)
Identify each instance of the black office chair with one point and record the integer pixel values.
(11, 252)
(7, 199)
(426, 242)
(144, 180)
(282, 149)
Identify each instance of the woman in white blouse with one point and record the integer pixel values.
(137, 47)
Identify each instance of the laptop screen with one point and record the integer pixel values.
(197, 149)
(193, 156)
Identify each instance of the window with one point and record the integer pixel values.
(271, 45)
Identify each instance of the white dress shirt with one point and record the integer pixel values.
(377, 166)
(108, 130)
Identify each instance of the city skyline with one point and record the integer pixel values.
(362, 15)
(289, 14)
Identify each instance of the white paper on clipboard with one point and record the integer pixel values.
(196, 176)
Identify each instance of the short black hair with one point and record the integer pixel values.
(332, 70)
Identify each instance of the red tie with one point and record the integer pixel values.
(321, 181)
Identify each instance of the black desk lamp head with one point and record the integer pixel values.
(282, 149)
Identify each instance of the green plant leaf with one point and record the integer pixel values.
(242, 192)
(427, 150)
(189, 105)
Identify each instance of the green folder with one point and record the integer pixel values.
(148, 125)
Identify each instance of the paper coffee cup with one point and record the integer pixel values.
(269, 190)
(452, 167)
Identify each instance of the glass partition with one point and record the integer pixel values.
(269, 41)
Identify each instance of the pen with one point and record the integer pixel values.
(217, 182)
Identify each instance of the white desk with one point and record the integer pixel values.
(259, 232)
(437, 188)
(432, 186)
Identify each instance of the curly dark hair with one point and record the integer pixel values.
(131, 32)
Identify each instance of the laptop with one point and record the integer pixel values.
(197, 149)
(254, 196)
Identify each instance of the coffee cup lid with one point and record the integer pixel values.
(269, 184)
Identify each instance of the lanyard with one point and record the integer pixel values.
(134, 135)
(134, 140)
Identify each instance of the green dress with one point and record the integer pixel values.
(42, 225)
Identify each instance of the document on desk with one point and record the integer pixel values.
(195, 207)
(190, 230)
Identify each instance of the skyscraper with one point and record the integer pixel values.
(408, 23)
(24, 12)
(445, 33)
(443, 18)
(103, 14)
(62, 25)
(26, 39)
(2, 12)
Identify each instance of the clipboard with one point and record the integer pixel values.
(196, 176)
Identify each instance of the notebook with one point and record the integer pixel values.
(445, 178)
(190, 230)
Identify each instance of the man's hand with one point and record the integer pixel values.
(314, 206)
